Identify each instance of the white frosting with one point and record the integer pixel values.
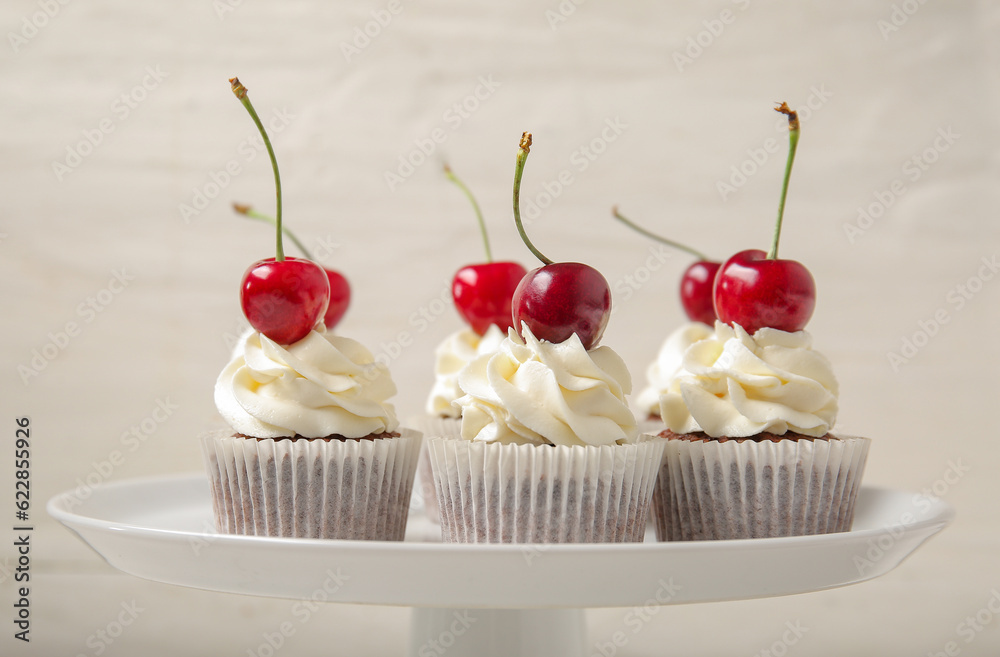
(668, 363)
(534, 391)
(322, 385)
(240, 342)
(732, 384)
(450, 357)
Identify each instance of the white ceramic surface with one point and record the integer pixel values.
(158, 529)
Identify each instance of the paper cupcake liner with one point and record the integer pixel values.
(493, 493)
(716, 490)
(433, 427)
(348, 489)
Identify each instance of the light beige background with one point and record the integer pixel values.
(873, 98)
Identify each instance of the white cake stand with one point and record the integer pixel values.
(479, 600)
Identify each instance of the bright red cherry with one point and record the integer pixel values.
(757, 290)
(482, 292)
(696, 291)
(281, 297)
(559, 299)
(340, 289)
(340, 298)
(284, 300)
(696, 282)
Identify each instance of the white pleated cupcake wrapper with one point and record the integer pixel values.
(433, 427)
(493, 493)
(713, 490)
(347, 489)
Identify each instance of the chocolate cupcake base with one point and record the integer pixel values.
(493, 493)
(346, 489)
(726, 489)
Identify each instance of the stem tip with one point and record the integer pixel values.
(238, 88)
(793, 117)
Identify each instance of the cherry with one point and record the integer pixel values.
(561, 299)
(757, 290)
(284, 299)
(340, 289)
(340, 298)
(696, 291)
(697, 280)
(558, 299)
(483, 292)
(281, 297)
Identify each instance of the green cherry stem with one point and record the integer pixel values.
(653, 236)
(241, 93)
(250, 213)
(475, 206)
(522, 155)
(793, 142)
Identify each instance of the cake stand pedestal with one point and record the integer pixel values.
(507, 632)
(481, 600)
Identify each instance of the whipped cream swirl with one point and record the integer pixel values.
(450, 357)
(668, 364)
(534, 391)
(737, 385)
(322, 385)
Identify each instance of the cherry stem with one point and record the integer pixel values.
(475, 206)
(249, 212)
(793, 142)
(522, 155)
(241, 93)
(653, 236)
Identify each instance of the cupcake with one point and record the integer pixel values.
(749, 451)
(549, 451)
(313, 449)
(443, 415)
